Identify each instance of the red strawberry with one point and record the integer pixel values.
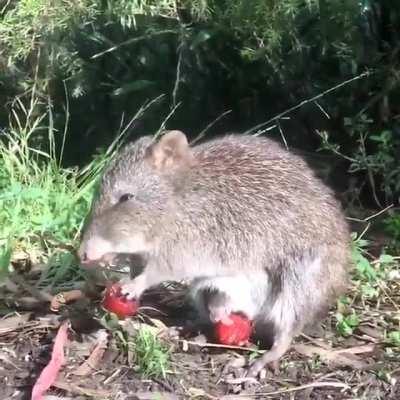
(235, 331)
(117, 303)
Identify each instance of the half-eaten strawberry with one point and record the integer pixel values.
(115, 302)
(236, 331)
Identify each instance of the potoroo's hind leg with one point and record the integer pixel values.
(300, 301)
(281, 344)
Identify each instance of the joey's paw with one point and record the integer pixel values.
(221, 313)
(131, 289)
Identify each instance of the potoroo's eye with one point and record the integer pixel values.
(125, 197)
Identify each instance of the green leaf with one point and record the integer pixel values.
(133, 87)
(394, 337)
(5, 259)
(369, 291)
(352, 320)
(363, 266)
(200, 38)
(377, 138)
(386, 259)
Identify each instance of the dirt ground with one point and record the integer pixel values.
(320, 365)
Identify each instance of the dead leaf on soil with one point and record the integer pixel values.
(94, 358)
(155, 395)
(344, 357)
(51, 370)
(72, 388)
(239, 381)
(237, 361)
(371, 331)
(197, 392)
(11, 324)
(7, 359)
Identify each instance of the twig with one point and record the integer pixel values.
(360, 236)
(132, 40)
(371, 216)
(379, 261)
(76, 389)
(268, 128)
(324, 136)
(178, 77)
(317, 342)
(388, 296)
(222, 346)
(201, 134)
(112, 376)
(389, 85)
(148, 308)
(369, 171)
(306, 386)
(67, 117)
(282, 135)
(162, 126)
(312, 99)
(322, 110)
(3, 10)
(38, 294)
(139, 114)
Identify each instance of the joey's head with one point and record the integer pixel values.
(136, 199)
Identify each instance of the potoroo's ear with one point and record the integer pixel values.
(171, 151)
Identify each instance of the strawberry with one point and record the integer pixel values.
(115, 302)
(234, 331)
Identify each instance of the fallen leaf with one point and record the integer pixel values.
(155, 395)
(237, 362)
(94, 358)
(365, 348)
(339, 357)
(373, 332)
(239, 381)
(49, 374)
(73, 388)
(13, 323)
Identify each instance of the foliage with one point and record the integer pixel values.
(392, 227)
(368, 275)
(144, 349)
(40, 201)
(152, 356)
(370, 280)
(276, 42)
(208, 56)
(374, 154)
(346, 324)
(29, 25)
(394, 338)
